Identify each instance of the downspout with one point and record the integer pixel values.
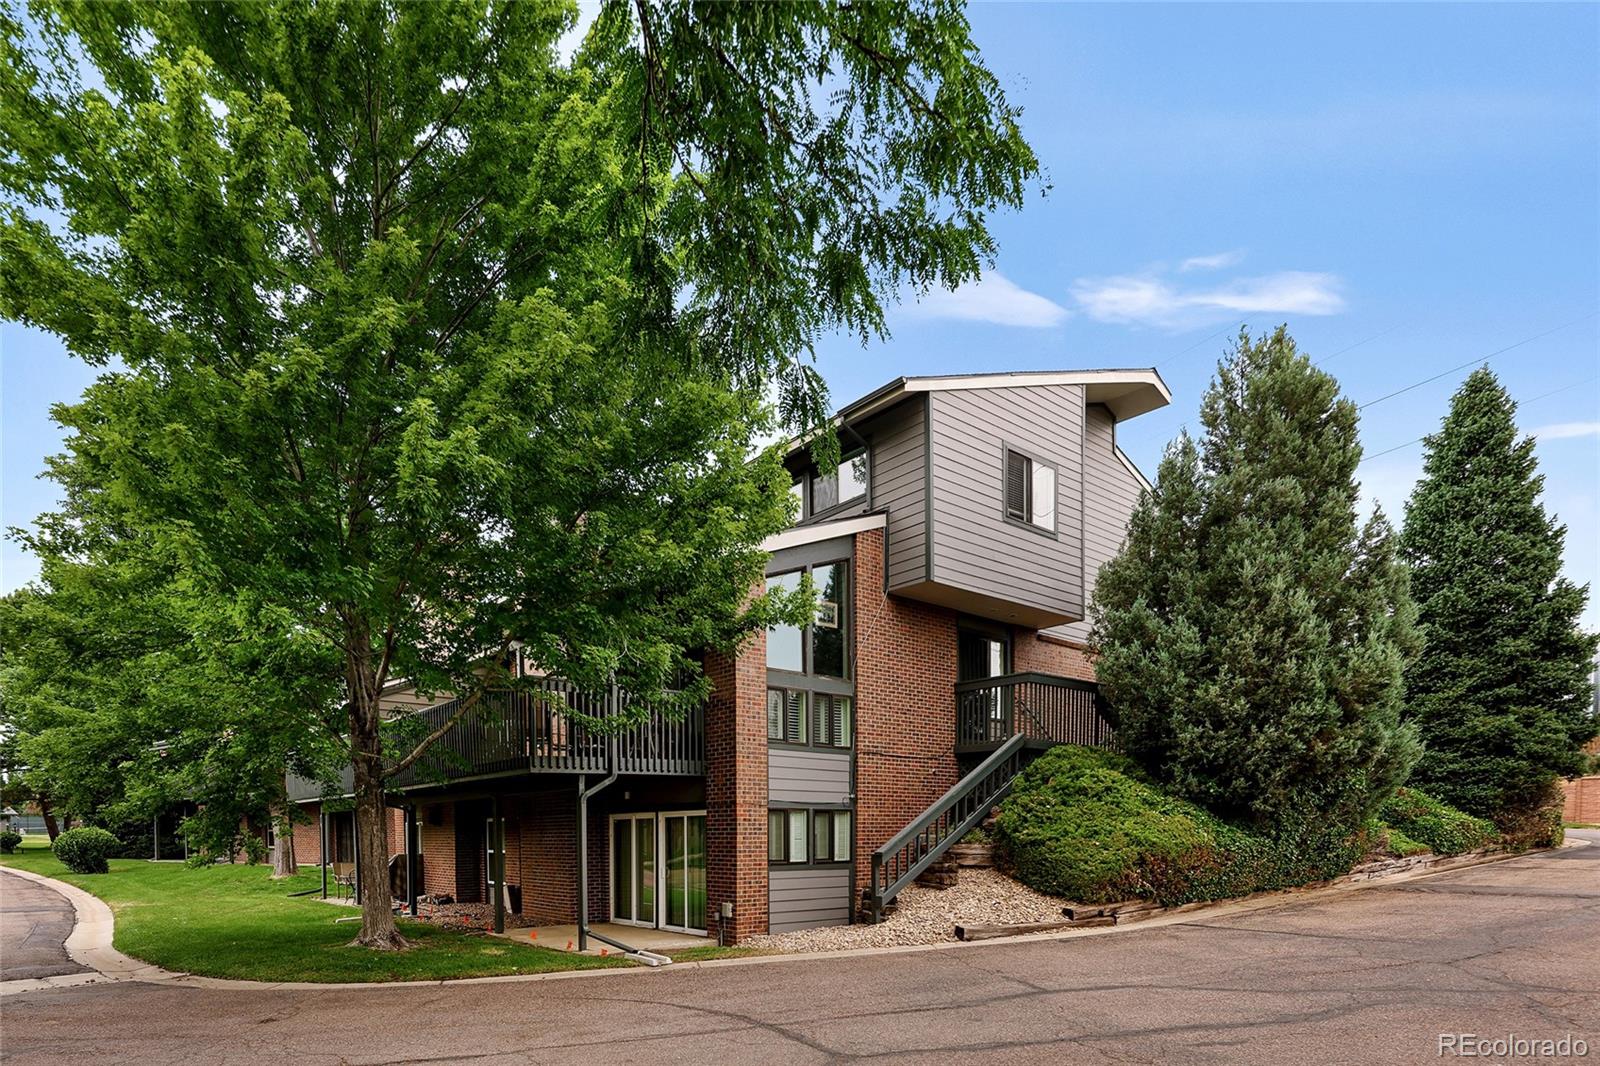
(649, 958)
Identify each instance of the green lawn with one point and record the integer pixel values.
(234, 921)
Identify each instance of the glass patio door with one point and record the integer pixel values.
(683, 854)
(633, 869)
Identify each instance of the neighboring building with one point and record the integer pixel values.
(954, 550)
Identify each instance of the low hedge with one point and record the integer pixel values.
(1086, 824)
(86, 849)
(1441, 828)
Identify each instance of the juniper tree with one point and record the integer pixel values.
(1251, 636)
(1501, 692)
(431, 343)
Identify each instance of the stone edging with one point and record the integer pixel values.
(90, 942)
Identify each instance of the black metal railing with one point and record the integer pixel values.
(1041, 707)
(947, 820)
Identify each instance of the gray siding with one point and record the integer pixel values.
(795, 776)
(1110, 493)
(899, 487)
(974, 548)
(805, 897)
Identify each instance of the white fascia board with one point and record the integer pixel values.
(842, 527)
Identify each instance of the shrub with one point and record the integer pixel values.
(1087, 825)
(255, 850)
(1438, 826)
(85, 850)
(1537, 825)
(9, 839)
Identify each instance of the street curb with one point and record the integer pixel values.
(90, 942)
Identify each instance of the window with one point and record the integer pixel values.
(831, 725)
(786, 836)
(1030, 491)
(827, 629)
(820, 648)
(786, 715)
(830, 836)
(847, 482)
(785, 643)
(799, 836)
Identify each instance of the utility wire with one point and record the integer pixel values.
(1520, 404)
(1474, 362)
(1192, 347)
(1357, 344)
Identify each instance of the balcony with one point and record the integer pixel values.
(1045, 709)
(513, 733)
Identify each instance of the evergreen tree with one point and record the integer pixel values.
(1501, 691)
(1251, 639)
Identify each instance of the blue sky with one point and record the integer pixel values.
(1407, 186)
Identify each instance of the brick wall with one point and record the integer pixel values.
(438, 848)
(736, 789)
(1047, 654)
(308, 836)
(905, 705)
(549, 871)
(1583, 800)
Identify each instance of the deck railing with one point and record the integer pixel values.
(536, 731)
(1042, 707)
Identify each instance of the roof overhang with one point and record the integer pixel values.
(1126, 393)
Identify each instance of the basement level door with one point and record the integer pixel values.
(658, 870)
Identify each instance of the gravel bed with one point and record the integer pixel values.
(466, 916)
(929, 916)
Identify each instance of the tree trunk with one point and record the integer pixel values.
(283, 862)
(371, 816)
(49, 818)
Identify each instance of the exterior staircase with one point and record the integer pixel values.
(1014, 718)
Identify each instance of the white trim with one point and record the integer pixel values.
(1132, 469)
(840, 527)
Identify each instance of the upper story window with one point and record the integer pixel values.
(1030, 491)
(821, 647)
(840, 486)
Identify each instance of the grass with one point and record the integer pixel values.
(235, 921)
(715, 951)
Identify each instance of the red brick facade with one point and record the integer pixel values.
(1043, 653)
(905, 676)
(736, 790)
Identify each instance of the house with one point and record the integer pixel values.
(954, 549)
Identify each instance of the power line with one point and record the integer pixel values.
(1358, 344)
(1473, 362)
(1520, 404)
(1193, 346)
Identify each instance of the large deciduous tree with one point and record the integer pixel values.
(1501, 692)
(429, 342)
(1251, 637)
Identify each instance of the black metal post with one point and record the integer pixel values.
(322, 843)
(583, 867)
(413, 841)
(355, 849)
(497, 837)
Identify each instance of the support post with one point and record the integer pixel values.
(355, 849)
(583, 867)
(322, 842)
(155, 839)
(497, 838)
(413, 849)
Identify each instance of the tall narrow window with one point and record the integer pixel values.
(785, 643)
(828, 630)
(1030, 491)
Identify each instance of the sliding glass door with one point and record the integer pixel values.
(683, 903)
(669, 893)
(633, 869)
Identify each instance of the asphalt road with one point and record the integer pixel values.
(1369, 976)
(34, 923)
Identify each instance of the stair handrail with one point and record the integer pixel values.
(1008, 753)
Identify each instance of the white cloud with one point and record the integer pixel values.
(993, 298)
(1149, 299)
(1210, 262)
(1565, 430)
